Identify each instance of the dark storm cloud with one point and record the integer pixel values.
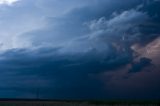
(70, 26)
(81, 41)
(65, 76)
(144, 62)
(152, 26)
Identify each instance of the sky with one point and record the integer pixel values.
(80, 49)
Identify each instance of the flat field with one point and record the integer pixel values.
(77, 103)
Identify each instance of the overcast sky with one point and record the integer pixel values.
(80, 49)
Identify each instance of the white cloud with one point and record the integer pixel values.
(113, 29)
(8, 2)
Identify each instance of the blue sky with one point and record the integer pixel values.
(80, 49)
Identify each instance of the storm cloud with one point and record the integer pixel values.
(79, 49)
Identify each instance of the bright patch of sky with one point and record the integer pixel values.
(8, 2)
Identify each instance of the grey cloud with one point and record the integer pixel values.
(63, 75)
(67, 27)
(76, 43)
(122, 25)
(144, 62)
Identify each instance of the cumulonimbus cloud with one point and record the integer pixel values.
(66, 49)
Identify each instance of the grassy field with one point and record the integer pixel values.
(77, 103)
